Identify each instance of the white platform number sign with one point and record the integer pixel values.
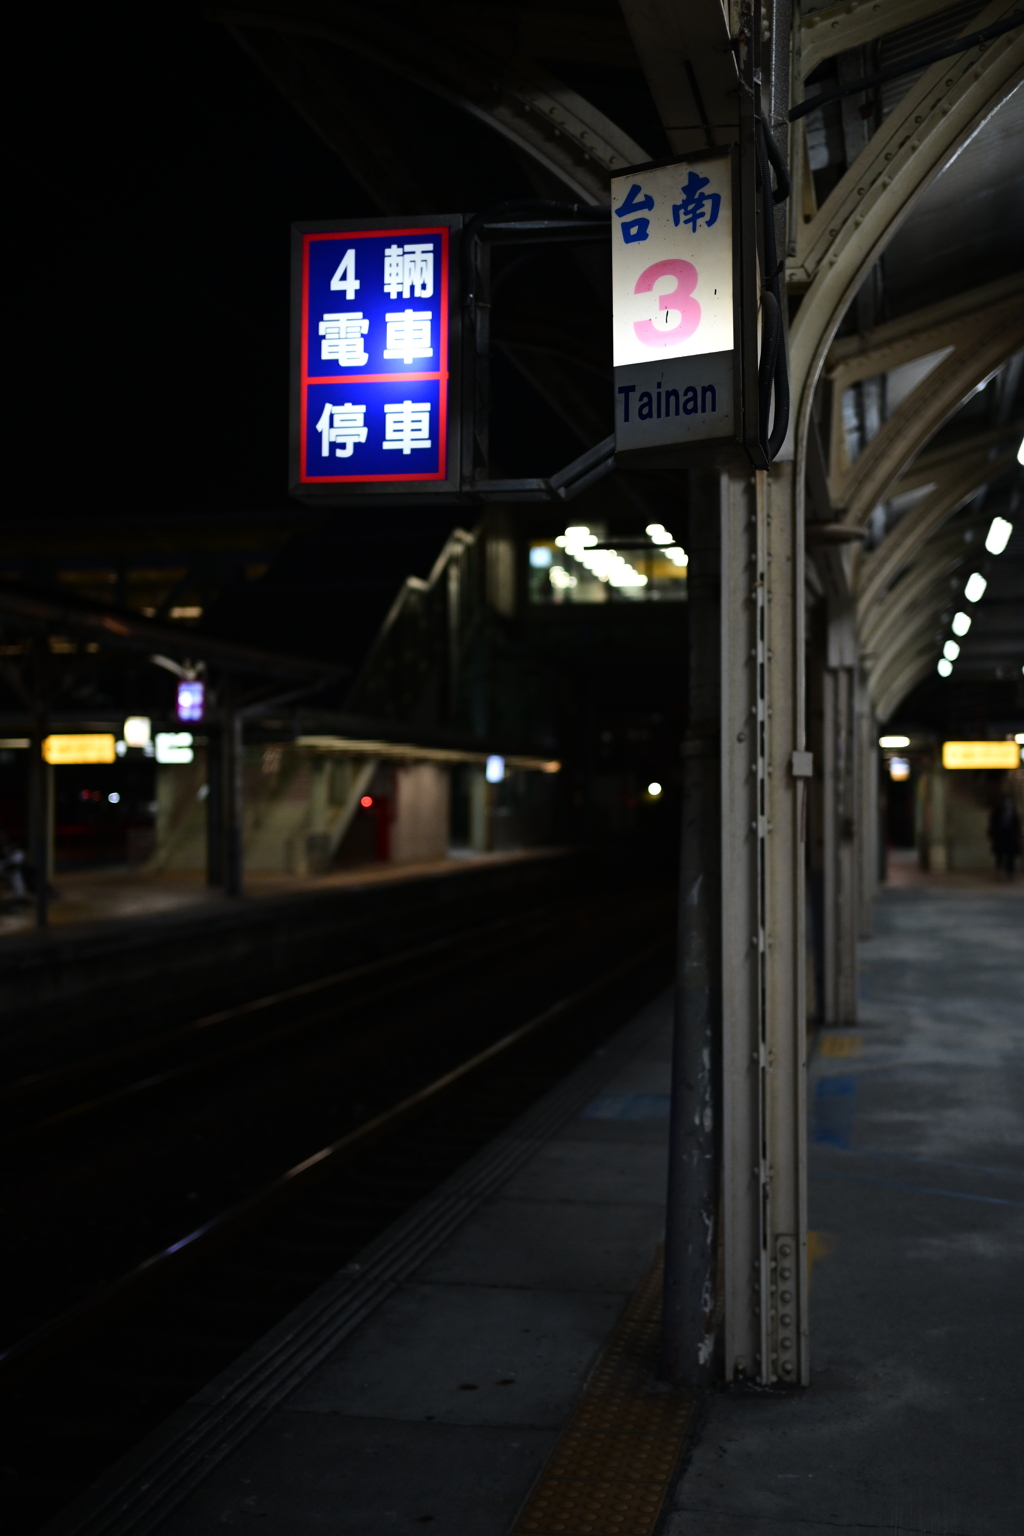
(672, 306)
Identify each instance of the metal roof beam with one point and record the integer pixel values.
(879, 569)
(853, 23)
(555, 126)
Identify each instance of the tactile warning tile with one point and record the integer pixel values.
(611, 1468)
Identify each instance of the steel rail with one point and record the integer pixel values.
(52, 1077)
(91, 1312)
(255, 1043)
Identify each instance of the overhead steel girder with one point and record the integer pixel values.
(554, 125)
(935, 464)
(919, 632)
(905, 678)
(687, 56)
(836, 249)
(879, 570)
(983, 335)
(853, 23)
(940, 558)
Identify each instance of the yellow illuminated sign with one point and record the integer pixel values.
(97, 747)
(980, 754)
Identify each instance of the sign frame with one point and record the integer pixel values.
(722, 448)
(403, 485)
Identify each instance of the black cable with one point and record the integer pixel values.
(908, 67)
(773, 369)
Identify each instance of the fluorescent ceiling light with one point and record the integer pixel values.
(894, 741)
(951, 650)
(961, 624)
(998, 535)
(975, 588)
(945, 667)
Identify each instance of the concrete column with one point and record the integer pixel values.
(231, 795)
(937, 828)
(479, 811)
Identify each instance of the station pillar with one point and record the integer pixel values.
(765, 770)
(737, 1160)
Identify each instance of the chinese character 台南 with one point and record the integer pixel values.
(408, 334)
(694, 205)
(409, 271)
(344, 424)
(343, 339)
(634, 228)
(407, 426)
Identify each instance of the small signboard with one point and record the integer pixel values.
(674, 303)
(373, 401)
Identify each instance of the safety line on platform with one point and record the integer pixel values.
(612, 1467)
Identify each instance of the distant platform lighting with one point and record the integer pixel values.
(114, 797)
(899, 769)
(1019, 738)
(944, 667)
(961, 624)
(366, 802)
(951, 650)
(654, 790)
(975, 588)
(894, 741)
(174, 747)
(540, 557)
(138, 731)
(494, 771)
(606, 564)
(1020, 452)
(998, 535)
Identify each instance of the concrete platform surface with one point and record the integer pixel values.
(442, 1404)
(914, 1420)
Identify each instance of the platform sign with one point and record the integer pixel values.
(981, 754)
(373, 402)
(673, 303)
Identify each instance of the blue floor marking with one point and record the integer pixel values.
(916, 1189)
(936, 1162)
(629, 1106)
(833, 1110)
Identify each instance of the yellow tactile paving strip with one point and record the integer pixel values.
(611, 1468)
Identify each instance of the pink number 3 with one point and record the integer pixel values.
(677, 300)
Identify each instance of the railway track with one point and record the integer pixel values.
(125, 1353)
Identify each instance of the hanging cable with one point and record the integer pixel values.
(773, 370)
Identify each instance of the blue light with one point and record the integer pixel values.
(540, 557)
(495, 770)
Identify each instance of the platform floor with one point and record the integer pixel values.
(428, 1389)
(914, 1419)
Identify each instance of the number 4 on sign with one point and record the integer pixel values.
(345, 280)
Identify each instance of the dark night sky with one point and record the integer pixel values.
(155, 177)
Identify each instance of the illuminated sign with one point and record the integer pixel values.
(96, 747)
(673, 303)
(191, 702)
(980, 754)
(373, 402)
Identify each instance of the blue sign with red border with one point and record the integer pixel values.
(374, 365)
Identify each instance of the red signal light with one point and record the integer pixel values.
(366, 802)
